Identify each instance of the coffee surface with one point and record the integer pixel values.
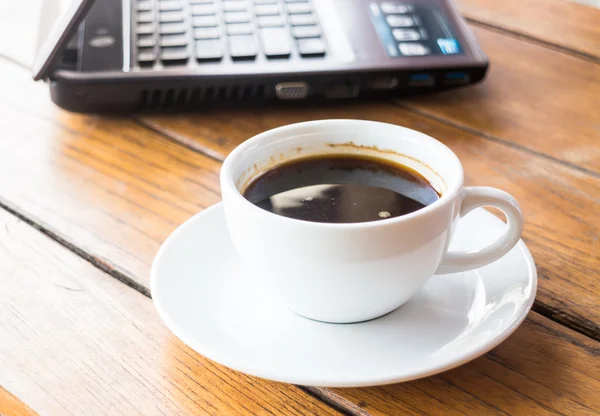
(340, 189)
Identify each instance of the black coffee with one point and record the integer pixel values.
(340, 189)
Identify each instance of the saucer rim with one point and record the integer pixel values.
(236, 364)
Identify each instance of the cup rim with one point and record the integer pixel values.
(227, 179)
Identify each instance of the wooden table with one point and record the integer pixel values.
(85, 202)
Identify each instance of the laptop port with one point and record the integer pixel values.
(456, 78)
(343, 89)
(421, 79)
(385, 82)
(291, 90)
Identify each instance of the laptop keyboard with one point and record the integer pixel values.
(173, 32)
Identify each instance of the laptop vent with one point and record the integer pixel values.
(189, 98)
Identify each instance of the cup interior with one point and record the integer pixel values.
(419, 152)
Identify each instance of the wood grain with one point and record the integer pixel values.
(75, 341)
(95, 346)
(541, 369)
(11, 406)
(111, 187)
(564, 23)
(533, 97)
(562, 228)
(116, 190)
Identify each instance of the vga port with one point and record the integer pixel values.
(291, 90)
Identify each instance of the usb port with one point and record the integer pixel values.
(422, 79)
(456, 78)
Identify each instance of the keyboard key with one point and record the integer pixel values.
(145, 29)
(173, 40)
(302, 19)
(243, 47)
(240, 29)
(174, 54)
(146, 41)
(400, 21)
(207, 33)
(299, 8)
(403, 35)
(267, 10)
(270, 21)
(145, 17)
(144, 6)
(311, 47)
(396, 8)
(201, 1)
(205, 21)
(209, 50)
(170, 17)
(168, 5)
(172, 28)
(203, 9)
(146, 56)
(306, 31)
(296, 1)
(266, 1)
(275, 43)
(413, 49)
(237, 17)
(235, 6)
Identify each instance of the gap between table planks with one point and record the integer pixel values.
(533, 98)
(72, 186)
(95, 346)
(442, 120)
(11, 406)
(76, 341)
(561, 229)
(111, 140)
(511, 108)
(565, 24)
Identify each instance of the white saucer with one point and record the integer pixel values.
(204, 297)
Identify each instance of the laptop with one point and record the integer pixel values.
(127, 56)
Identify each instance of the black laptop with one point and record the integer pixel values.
(174, 55)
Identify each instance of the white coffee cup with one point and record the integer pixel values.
(354, 272)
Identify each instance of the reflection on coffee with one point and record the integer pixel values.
(341, 189)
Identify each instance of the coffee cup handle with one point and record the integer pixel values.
(481, 196)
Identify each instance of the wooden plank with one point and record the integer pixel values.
(533, 97)
(117, 190)
(11, 406)
(562, 228)
(521, 101)
(95, 346)
(563, 23)
(48, 145)
(499, 393)
(75, 341)
(543, 368)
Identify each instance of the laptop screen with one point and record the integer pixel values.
(60, 19)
